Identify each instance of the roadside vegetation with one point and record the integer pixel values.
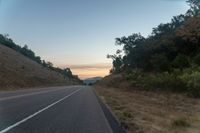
(168, 59)
(147, 111)
(154, 85)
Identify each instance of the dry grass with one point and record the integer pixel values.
(17, 71)
(151, 112)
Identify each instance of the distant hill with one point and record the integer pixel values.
(91, 80)
(18, 71)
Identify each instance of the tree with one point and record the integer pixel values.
(160, 62)
(195, 7)
(129, 42)
(171, 45)
(194, 4)
(68, 72)
(25, 47)
(177, 21)
(188, 36)
(162, 29)
(117, 63)
(49, 64)
(181, 61)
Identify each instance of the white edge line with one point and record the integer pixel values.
(38, 112)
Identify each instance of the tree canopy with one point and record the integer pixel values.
(171, 45)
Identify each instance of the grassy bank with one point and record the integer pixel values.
(149, 111)
(17, 71)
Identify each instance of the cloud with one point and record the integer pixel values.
(91, 66)
(91, 70)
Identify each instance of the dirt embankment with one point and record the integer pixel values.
(147, 111)
(18, 71)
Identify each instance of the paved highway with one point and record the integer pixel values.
(73, 109)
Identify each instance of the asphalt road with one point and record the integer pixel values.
(72, 109)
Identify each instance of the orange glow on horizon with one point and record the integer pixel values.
(91, 70)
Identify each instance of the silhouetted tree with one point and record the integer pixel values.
(171, 45)
(195, 7)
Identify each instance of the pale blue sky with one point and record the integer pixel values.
(74, 32)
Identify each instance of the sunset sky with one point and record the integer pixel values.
(80, 33)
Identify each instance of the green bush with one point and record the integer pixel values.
(181, 122)
(186, 80)
(181, 61)
(134, 74)
(160, 62)
(193, 82)
(197, 59)
(162, 81)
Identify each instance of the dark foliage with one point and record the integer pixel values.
(170, 45)
(168, 58)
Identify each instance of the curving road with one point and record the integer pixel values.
(73, 109)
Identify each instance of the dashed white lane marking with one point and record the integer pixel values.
(36, 113)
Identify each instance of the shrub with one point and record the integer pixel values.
(197, 59)
(186, 80)
(134, 74)
(193, 82)
(181, 61)
(180, 123)
(163, 81)
(160, 62)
